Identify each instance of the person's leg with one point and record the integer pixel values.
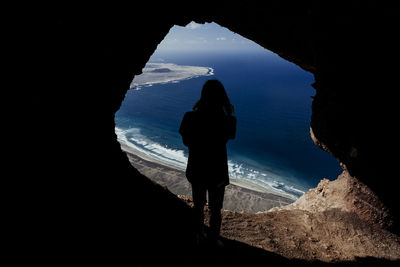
(216, 199)
(199, 200)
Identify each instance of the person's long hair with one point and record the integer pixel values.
(214, 98)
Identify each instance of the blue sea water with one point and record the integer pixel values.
(272, 100)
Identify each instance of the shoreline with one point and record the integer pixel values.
(240, 196)
(172, 73)
(248, 185)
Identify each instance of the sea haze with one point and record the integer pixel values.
(272, 100)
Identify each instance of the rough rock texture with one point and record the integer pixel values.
(75, 194)
(337, 221)
(330, 235)
(346, 194)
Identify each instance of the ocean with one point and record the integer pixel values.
(272, 100)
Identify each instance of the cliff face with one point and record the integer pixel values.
(76, 64)
(338, 221)
(346, 194)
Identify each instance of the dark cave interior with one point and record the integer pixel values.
(89, 201)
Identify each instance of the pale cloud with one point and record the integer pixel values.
(221, 38)
(202, 39)
(193, 25)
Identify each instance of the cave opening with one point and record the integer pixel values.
(273, 151)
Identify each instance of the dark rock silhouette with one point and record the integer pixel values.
(205, 131)
(75, 195)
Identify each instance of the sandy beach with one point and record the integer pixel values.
(239, 196)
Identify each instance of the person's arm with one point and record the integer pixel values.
(184, 131)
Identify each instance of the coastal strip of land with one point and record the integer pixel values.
(155, 73)
(239, 195)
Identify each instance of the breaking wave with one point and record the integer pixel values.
(239, 170)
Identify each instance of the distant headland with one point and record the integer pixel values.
(154, 73)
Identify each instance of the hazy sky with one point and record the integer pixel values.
(208, 36)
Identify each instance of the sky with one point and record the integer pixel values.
(205, 37)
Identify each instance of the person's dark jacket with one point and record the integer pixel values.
(206, 135)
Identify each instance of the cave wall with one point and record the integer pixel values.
(350, 48)
(77, 66)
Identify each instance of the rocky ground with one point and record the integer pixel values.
(238, 196)
(337, 221)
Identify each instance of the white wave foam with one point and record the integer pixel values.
(268, 180)
(151, 149)
(133, 138)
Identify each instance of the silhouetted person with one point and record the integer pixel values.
(205, 131)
